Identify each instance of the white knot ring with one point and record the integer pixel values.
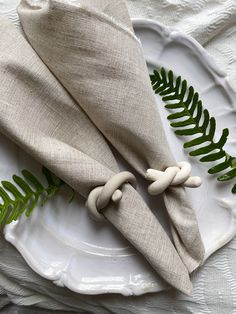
(171, 176)
(100, 196)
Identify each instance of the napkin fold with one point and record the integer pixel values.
(38, 114)
(91, 48)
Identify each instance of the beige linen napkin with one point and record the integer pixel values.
(91, 48)
(39, 115)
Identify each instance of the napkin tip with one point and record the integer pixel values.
(187, 289)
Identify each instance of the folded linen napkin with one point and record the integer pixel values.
(91, 48)
(39, 115)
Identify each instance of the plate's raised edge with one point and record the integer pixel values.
(58, 276)
(176, 35)
(230, 233)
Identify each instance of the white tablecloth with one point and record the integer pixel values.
(213, 24)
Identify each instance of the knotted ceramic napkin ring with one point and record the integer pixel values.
(170, 177)
(100, 196)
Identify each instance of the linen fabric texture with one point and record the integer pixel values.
(212, 23)
(40, 116)
(92, 50)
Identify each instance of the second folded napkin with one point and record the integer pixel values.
(91, 48)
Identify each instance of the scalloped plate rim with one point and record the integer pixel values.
(125, 290)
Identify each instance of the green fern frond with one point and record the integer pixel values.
(191, 119)
(25, 193)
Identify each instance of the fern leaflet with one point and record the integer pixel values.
(191, 119)
(25, 193)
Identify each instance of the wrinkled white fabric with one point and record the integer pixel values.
(213, 24)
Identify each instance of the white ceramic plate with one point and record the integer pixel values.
(62, 243)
